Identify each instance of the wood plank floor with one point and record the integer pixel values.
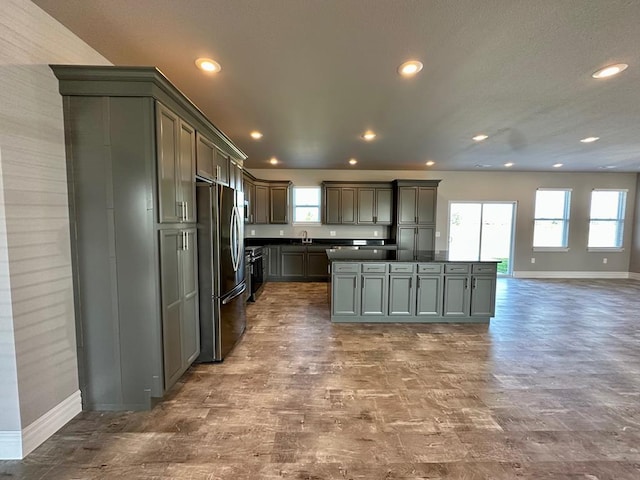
(549, 390)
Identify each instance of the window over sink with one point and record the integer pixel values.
(306, 205)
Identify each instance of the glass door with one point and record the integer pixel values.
(482, 231)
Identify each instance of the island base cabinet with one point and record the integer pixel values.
(374, 294)
(401, 295)
(179, 293)
(456, 296)
(344, 294)
(483, 295)
(429, 296)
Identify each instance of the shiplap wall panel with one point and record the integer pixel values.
(34, 188)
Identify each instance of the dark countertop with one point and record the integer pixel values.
(255, 241)
(391, 255)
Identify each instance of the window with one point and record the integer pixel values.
(606, 219)
(551, 223)
(306, 204)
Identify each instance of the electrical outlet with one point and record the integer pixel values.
(253, 233)
(332, 233)
(375, 233)
(604, 260)
(281, 232)
(437, 234)
(533, 260)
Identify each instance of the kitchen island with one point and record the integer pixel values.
(380, 285)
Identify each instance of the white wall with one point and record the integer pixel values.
(504, 186)
(634, 264)
(35, 261)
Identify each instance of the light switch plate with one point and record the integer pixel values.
(437, 234)
(375, 233)
(281, 232)
(253, 233)
(332, 233)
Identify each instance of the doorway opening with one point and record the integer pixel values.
(482, 231)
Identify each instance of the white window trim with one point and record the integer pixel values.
(293, 207)
(567, 220)
(618, 219)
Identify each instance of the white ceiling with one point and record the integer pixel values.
(313, 75)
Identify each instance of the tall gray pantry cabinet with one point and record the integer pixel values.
(131, 160)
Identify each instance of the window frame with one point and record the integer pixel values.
(294, 205)
(620, 220)
(565, 219)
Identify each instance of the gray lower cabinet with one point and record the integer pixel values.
(456, 296)
(179, 297)
(292, 260)
(374, 294)
(483, 295)
(429, 295)
(401, 295)
(345, 296)
(298, 263)
(272, 252)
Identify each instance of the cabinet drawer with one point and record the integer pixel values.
(374, 268)
(456, 268)
(430, 268)
(402, 267)
(345, 267)
(484, 268)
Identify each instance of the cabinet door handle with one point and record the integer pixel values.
(418, 283)
(410, 282)
(466, 283)
(375, 219)
(473, 282)
(416, 218)
(185, 209)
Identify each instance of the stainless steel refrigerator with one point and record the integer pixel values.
(220, 269)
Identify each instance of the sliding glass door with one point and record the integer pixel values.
(482, 231)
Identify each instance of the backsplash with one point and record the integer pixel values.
(316, 231)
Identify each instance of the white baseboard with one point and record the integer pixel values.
(11, 445)
(49, 423)
(634, 276)
(540, 274)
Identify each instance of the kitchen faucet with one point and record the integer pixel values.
(305, 237)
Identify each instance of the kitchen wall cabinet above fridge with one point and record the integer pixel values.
(132, 146)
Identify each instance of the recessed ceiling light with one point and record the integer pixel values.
(368, 135)
(430, 163)
(557, 165)
(607, 167)
(508, 164)
(480, 137)
(480, 165)
(256, 135)
(273, 161)
(208, 65)
(353, 161)
(410, 68)
(590, 139)
(610, 70)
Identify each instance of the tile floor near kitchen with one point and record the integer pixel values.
(550, 390)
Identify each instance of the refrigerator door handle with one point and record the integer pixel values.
(233, 239)
(229, 299)
(237, 238)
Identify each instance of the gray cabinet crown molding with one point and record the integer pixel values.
(112, 81)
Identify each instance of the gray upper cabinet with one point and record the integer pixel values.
(261, 204)
(374, 206)
(279, 204)
(176, 167)
(221, 164)
(249, 189)
(340, 205)
(416, 205)
(416, 238)
(357, 203)
(133, 248)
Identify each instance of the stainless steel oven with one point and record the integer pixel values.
(257, 271)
